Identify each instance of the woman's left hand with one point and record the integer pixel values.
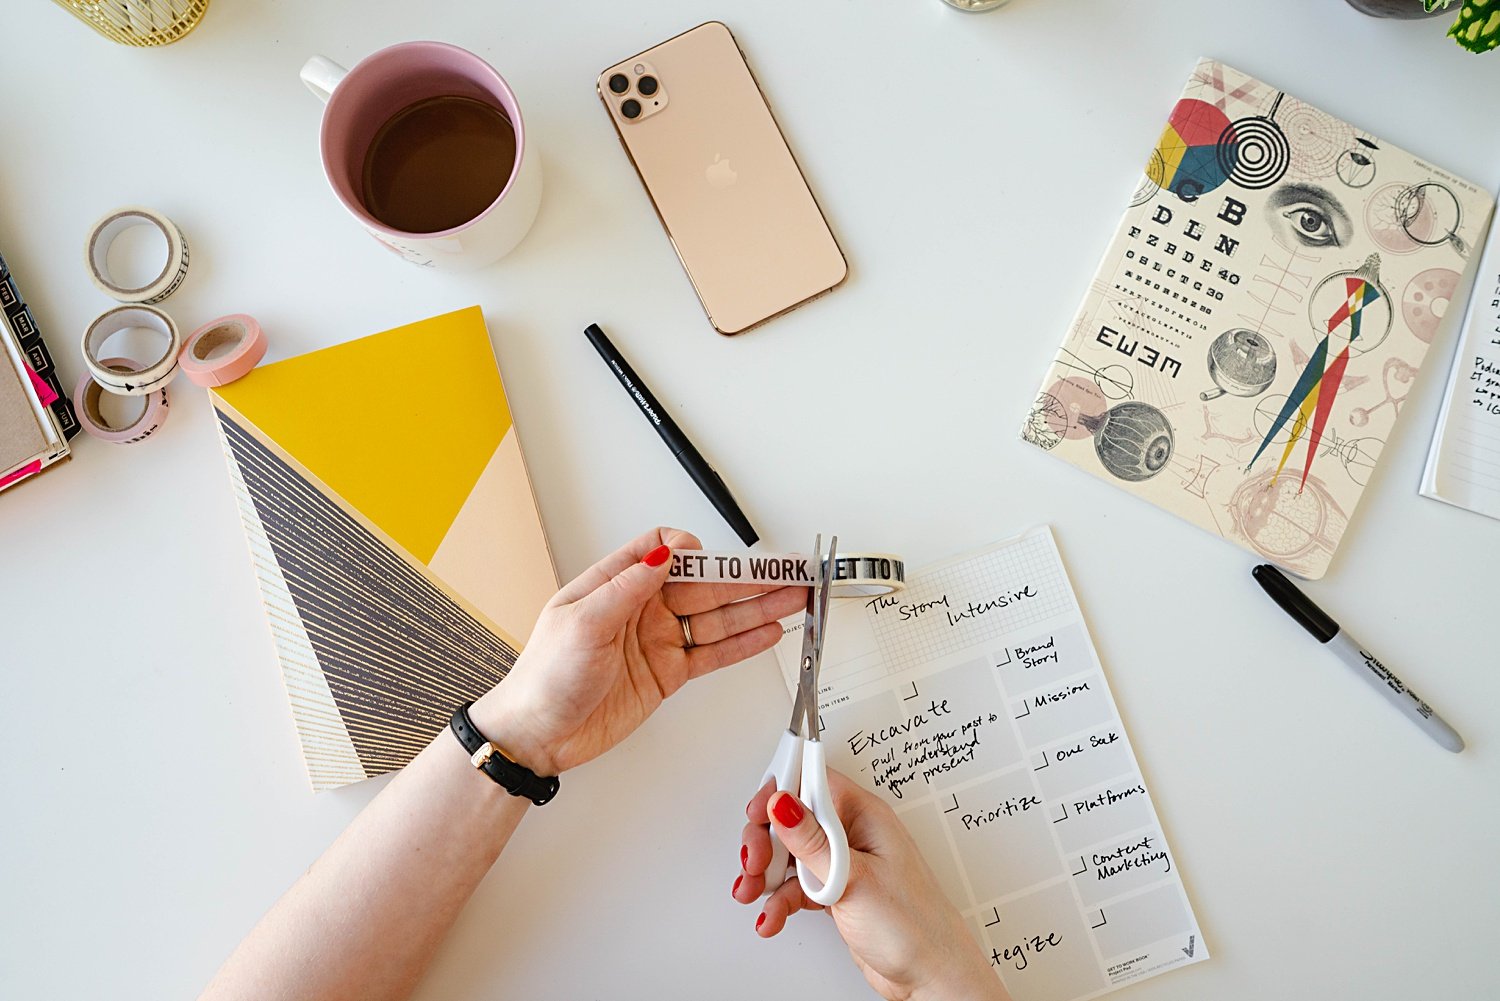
(609, 648)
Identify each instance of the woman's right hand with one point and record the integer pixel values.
(904, 935)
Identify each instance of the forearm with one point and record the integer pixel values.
(364, 921)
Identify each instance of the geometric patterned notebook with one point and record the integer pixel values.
(1256, 324)
(393, 531)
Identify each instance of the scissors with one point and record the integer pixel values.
(799, 766)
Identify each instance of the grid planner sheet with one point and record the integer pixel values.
(974, 703)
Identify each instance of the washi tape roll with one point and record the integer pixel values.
(86, 401)
(855, 575)
(143, 377)
(239, 333)
(96, 255)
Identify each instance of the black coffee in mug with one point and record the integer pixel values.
(438, 163)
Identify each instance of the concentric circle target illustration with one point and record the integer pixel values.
(1254, 153)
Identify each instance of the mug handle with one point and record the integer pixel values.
(322, 75)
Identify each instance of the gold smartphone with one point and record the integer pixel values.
(723, 181)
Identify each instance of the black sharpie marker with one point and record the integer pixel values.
(1365, 664)
(697, 467)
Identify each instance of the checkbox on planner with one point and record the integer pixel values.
(991, 924)
(1062, 813)
(1027, 704)
(1041, 761)
(908, 698)
(1083, 866)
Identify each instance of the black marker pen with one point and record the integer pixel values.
(1365, 664)
(697, 467)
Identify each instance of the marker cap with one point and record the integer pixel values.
(1296, 604)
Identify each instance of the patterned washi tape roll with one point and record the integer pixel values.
(144, 377)
(239, 334)
(855, 575)
(86, 400)
(96, 255)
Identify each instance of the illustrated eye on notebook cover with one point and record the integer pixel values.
(1310, 215)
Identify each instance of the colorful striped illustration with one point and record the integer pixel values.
(1312, 398)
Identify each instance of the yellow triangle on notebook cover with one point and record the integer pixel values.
(400, 424)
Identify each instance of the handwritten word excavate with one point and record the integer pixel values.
(863, 741)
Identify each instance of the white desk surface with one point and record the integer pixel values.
(974, 168)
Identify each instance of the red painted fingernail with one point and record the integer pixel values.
(760, 920)
(744, 857)
(657, 556)
(736, 888)
(787, 811)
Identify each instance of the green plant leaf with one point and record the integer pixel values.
(1478, 25)
(1431, 5)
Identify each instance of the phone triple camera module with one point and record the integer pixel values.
(636, 92)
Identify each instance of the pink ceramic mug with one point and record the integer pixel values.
(361, 100)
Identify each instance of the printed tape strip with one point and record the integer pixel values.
(96, 255)
(86, 399)
(855, 575)
(143, 377)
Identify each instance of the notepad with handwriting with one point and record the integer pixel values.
(973, 702)
(1463, 465)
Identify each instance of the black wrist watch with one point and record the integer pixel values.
(513, 777)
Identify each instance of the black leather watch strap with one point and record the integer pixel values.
(513, 777)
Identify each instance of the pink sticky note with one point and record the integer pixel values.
(31, 467)
(45, 392)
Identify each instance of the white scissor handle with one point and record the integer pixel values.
(786, 770)
(815, 794)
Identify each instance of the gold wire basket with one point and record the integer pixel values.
(138, 22)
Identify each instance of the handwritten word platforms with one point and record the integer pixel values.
(974, 703)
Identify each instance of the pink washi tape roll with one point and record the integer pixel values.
(86, 400)
(239, 334)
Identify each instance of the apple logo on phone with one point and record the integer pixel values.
(719, 173)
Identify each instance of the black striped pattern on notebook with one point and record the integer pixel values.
(397, 653)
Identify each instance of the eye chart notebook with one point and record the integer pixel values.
(1258, 320)
(974, 703)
